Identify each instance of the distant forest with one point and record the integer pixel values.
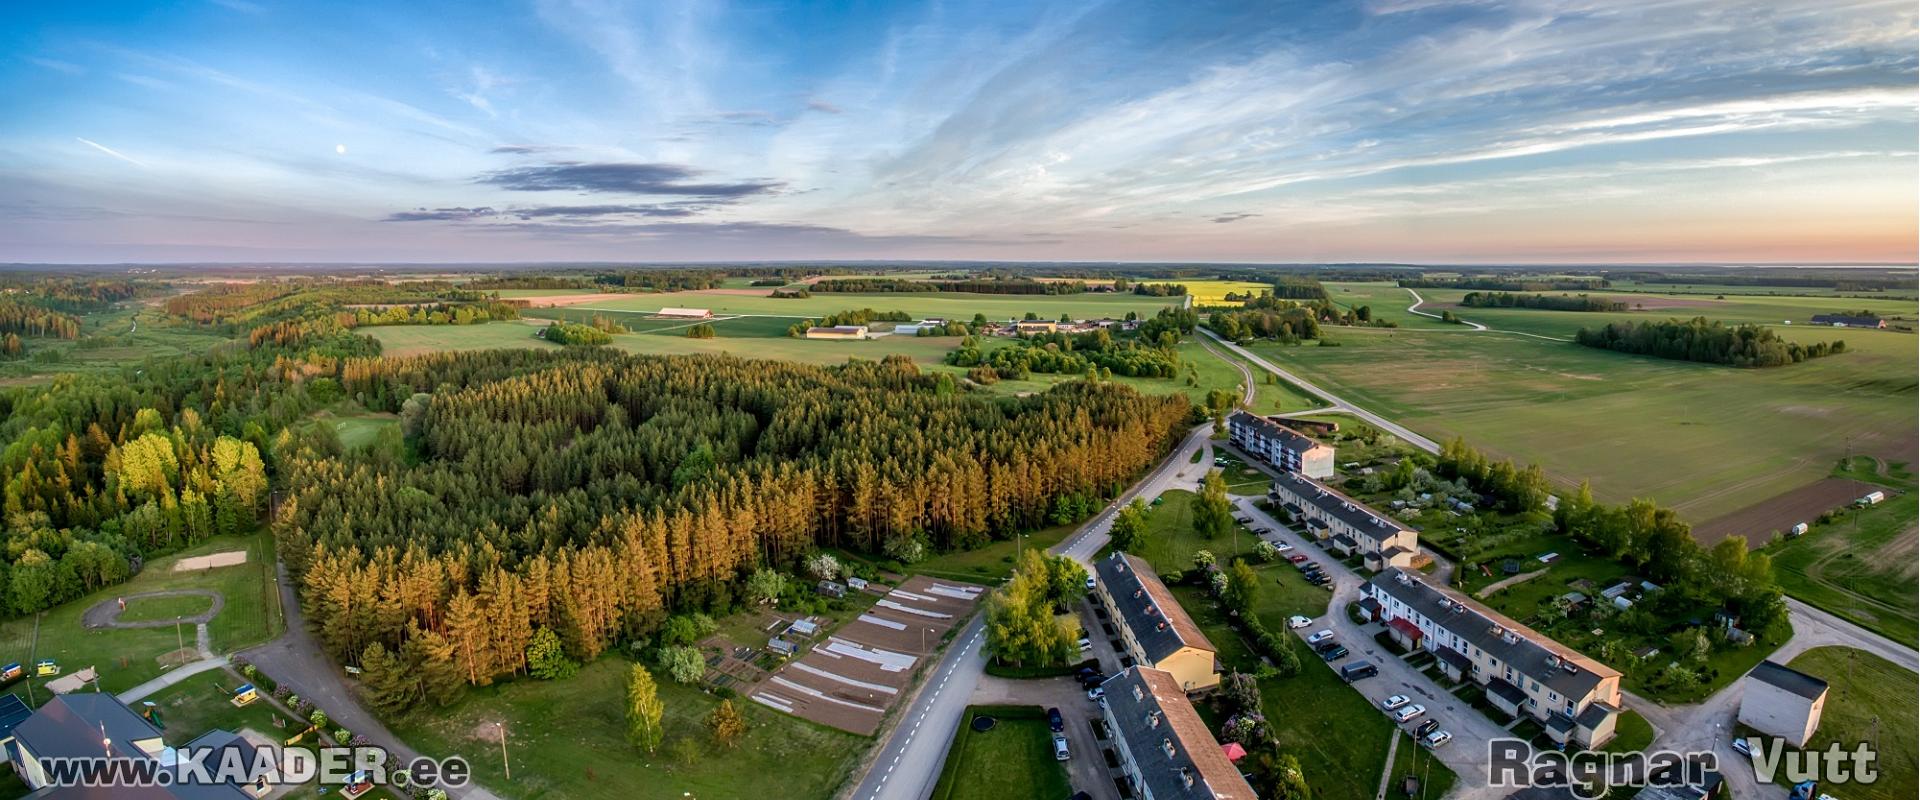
(1541, 301)
(1706, 341)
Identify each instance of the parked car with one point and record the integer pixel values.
(1740, 746)
(1055, 721)
(1096, 693)
(1320, 636)
(1243, 520)
(1296, 558)
(1090, 583)
(1296, 622)
(1436, 740)
(1326, 645)
(1358, 670)
(1395, 701)
(1426, 727)
(1407, 714)
(1085, 644)
(1286, 548)
(1060, 748)
(1334, 653)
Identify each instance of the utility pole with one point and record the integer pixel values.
(179, 637)
(504, 763)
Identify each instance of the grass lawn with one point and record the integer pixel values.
(201, 703)
(148, 609)
(1861, 565)
(567, 739)
(1871, 700)
(991, 563)
(1632, 733)
(1285, 593)
(1436, 778)
(1244, 480)
(413, 340)
(126, 657)
(1013, 759)
(1680, 433)
(1172, 541)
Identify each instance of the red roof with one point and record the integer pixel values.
(1401, 624)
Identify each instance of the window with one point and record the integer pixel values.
(1532, 703)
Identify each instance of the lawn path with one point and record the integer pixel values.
(1386, 772)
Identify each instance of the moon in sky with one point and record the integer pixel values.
(340, 148)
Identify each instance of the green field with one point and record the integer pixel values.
(948, 305)
(413, 340)
(110, 340)
(1860, 565)
(1172, 541)
(148, 609)
(127, 657)
(1012, 759)
(1702, 438)
(567, 739)
(1870, 700)
(1731, 309)
(201, 703)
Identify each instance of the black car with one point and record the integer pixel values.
(1095, 679)
(1326, 645)
(1338, 652)
(1055, 721)
(1082, 673)
(1425, 728)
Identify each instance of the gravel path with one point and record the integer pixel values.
(106, 613)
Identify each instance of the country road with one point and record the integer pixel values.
(1477, 327)
(1338, 404)
(1246, 374)
(908, 765)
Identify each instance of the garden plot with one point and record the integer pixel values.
(851, 678)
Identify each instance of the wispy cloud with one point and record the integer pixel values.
(55, 64)
(110, 151)
(620, 178)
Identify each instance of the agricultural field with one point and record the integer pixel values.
(1775, 310)
(1870, 700)
(568, 739)
(126, 657)
(1718, 289)
(947, 305)
(413, 340)
(1860, 563)
(1706, 439)
(1214, 292)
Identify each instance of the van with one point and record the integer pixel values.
(1358, 670)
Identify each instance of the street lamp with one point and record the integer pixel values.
(504, 763)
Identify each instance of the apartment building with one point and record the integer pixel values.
(1348, 525)
(1279, 445)
(1155, 630)
(1574, 697)
(1163, 747)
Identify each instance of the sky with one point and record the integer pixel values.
(1416, 131)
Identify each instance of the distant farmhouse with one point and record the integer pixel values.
(1029, 327)
(1784, 702)
(685, 313)
(1163, 746)
(838, 332)
(1574, 697)
(1156, 630)
(1848, 321)
(1280, 445)
(1349, 526)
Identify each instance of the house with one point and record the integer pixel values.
(1784, 702)
(1156, 631)
(1353, 527)
(831, 589)
(1574, 697)
(685, 313)
(838, 332)
(91, 724)
(1848, 321)
(1033, 326)
(1279, 445)
(1164, 749)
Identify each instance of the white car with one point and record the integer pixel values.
(1096, 693)
(1089, 583)
(1297, 622)
(1320, 636)
(1395, 701)
(1085, 644)
(1436, 739)
(1409, 713)
(1060, 748)
(1283, 547)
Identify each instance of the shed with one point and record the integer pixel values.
(832, 589)
(782, 646)
(803, 627)
(858, 584)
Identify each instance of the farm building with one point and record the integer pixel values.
(1574, 697)
(1784, 702)
(838, 332)
(1033, 326)
(1848, 321)
(1162, 745)
(685, 313)
(1280, 445)
(1156, 630)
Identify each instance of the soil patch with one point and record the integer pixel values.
(1759, 522)
(211, 560)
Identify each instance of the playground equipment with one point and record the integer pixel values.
(244, 695)
(11, 672)
(45, 667)
(152, 714)
(358, 783)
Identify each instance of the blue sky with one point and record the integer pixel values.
(1386, 130)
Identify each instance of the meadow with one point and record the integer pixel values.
(111, 340)
(413, 340)
(1860, 563)
(1705, 439)
(1871, 700)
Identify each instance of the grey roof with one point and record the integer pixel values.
(1560, 722)
(1158, 622)
(70, 725)
(1790, 679)
(1506, 691)
(1455, 658)
(1327, 502)
(1595, 714)
(1345, 541)
(1160, 713)
(1844, 319)
(1477, 627)
(1264, 428)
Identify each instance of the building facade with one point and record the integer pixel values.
(1164, 749)
(1350, 526)
(1279, 445)
(838, 332)
(1577, 699)
(1784, 702)
(1154, 629)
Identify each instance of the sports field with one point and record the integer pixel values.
(1705, 439)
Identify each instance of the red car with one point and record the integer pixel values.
(1297, 558)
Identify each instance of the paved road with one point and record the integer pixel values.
(1339, 404)
(296, 660)
(908, 765)
(176, 675)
